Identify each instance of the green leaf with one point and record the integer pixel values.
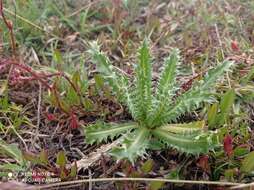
(248, 163)
(74, 170)
(118, 83)
(105, 67)
(11, 150)
(241, 151)
(184, 128)
(99, 81)
(44, 157)
(57, 57)
(52, 99)
(72, 97)
(156, 185)
(227, 101)
(88, 104)
(102, 131)
(133, 145)
(198, 94)
(154, 144)
(186, 103)
(212, 113)
(174, 174)
(147, 166)
(185, 143)
(215, 73)
(248, 77)
(143, 88)
(11, 167)
(4, 103)
(229, 174)
(166, 90)
(76, 78)
(31, 157)
(61, 159)
(3, 88)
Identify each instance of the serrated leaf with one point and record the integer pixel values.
(118, 83)
(185, 143)
(133, 145)
(198, 94)
(215, 73)
(165, 89)
(61, 159)
(186, 103)
(184, 128)
(104, 67)
(143, 88)
(248, 163)
(102, 131)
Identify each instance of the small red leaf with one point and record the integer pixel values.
(234, 45)
(74, 121)
(228, 145)
(50, 117)
(203, 163)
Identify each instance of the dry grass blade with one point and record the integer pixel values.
(244, 186)
(141, 180)
(14, 185)
(93, 157)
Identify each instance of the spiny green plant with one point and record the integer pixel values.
(155, 114)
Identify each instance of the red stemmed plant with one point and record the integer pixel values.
(19, 72)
